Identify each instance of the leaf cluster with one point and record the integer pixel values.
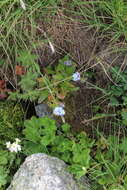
(52, 85)
(118, 92)
(109, 16)
(110, 165)
(42, 135)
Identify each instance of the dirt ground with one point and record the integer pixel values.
(90, 53)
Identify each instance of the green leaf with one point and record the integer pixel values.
(58, 140)
(32, 128)
(58, 77)
(124, 98)
(105, 179)
(36, 127)
(125, 86)
(116, 187)
(64, 145)
(117, 91)
(66, 156)
(43, 95)
(102, 181)
(3, 157)
(125, 181)
(124, 115)
(49, 70)
(3, 160)
(28, 81)
(26, 58)
(124, 122)
(65, 70)
(81, 155)
(84, 140)
(70, 70)
(33, 148)
(85, 157)
(67, 86)
(49, 125)
(18, 161)
(114, 101)
(47, 140)
(3, 176)
(123, 145)
(78, 170)
(65, 127)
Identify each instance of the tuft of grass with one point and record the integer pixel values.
(18, 27)
(109, 17)
(19, 30)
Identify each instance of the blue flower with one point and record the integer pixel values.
(76, 76)
(68, 63)
(59, 111)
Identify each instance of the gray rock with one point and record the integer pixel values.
(43, 172)
(43, 110)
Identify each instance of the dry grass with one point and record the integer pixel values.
(68, 37)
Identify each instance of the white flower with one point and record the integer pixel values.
(76, 76)
(17, 140)
(59, 111)
(8, 144)
(14, 147)
(22, 5)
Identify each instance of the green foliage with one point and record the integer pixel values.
(54, 83)
(19, 27)
(117, 93)
(9, 163)
(110, 165)
(103, 160)
(3, 176)
(11, 116)
(73, 149)
(108, 16)
(28, 81)
(118, 90)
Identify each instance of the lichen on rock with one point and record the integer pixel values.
(43, 172)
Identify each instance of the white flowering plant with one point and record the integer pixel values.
(10, 160)
(15, 146)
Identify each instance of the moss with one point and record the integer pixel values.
(11, 120)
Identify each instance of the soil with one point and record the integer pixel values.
(68, 37)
